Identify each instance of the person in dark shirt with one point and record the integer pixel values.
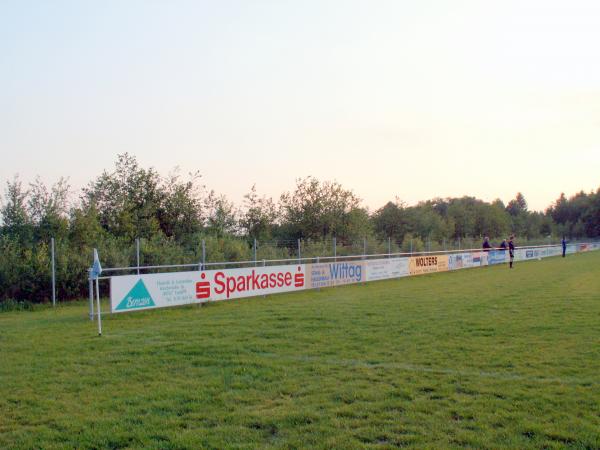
(504, 245)
(486, 244)
(564, 246)
(486, 248)
(511, 250)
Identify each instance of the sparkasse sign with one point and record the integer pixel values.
(136, 292)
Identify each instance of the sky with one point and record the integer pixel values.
(392, 99)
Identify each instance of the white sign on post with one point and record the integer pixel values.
(137, 292)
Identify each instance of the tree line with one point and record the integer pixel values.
(172, 214)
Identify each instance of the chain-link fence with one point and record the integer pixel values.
(53, 271)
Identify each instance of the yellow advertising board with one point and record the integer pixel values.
(428, 264)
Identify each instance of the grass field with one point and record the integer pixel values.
(483, 358)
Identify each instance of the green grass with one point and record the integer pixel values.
(481, 358)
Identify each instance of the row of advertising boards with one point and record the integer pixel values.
(138, 292)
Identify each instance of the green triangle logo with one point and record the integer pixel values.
(138, 297)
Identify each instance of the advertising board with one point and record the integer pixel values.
(461, 261)
(383, 269)
(136, 292)
(335, 273)
(554, 251)
(497, 256)
(427, 264)
(479, 259)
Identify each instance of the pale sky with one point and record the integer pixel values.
(389, 98)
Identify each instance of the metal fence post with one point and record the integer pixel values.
(254, 251)
(53, 274)
(203, 254)
(411, 247)
(91, 288)
(389, 247)
(98, 308)
(334, 249)
(137, 254)
(317, 260)
(264, 264)
(364, 248)
(299, 255)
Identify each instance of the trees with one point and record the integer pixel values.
(392, 220)
(517, 206)
(180, 212)
(135, 202)
(428, 224)
(578, 215)
(524, 222)
(15, 217)
(259, 217)
(173, 214)
(591, 215)
(127, 199)
(221, 216)
(318, 209)
(48, 208)
(464, 215)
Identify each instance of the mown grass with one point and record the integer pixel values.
(480, 358)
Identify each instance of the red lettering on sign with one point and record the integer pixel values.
(229, 285)
(202, 288)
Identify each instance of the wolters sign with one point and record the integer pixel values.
(428, 264)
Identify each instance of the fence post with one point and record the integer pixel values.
(299, 255)
(91, 288)
(254, 251)
(317, 260)
(137, 254)
(98, 307)
(411, 247)
(53, 274)
(459, 242)
(389, 247)
(203, 254)
(264, 264)
(365, 248)
(334, 249)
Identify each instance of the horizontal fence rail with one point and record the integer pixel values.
(314, 259)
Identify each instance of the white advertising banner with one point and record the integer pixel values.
(335, 274)
(479, 259)
(554, 251)
(383, 269)
(460, 261)
(136, 292)
(521, 254)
